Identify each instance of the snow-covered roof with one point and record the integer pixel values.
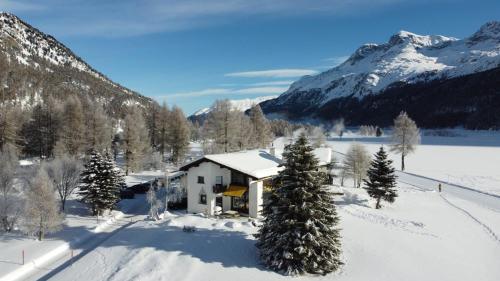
(256, 163)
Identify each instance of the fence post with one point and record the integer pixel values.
(23, 257)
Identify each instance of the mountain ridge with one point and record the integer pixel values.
(26, 47)
(406, 58)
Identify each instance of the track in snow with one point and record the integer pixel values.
(485, 227)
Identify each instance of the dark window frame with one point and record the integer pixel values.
(201, 179)
(203, 199)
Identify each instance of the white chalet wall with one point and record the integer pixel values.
(209, 171)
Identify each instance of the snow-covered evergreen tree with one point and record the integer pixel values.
(101, 182)
(299, 233)
(113, 182)
(381, 182)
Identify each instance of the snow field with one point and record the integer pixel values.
(419, 237)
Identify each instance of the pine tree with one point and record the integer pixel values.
(101, 182)
(381, 182)
(113, 181)
(299, 233)
(40, 131)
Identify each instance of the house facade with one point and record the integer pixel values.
(234, 181)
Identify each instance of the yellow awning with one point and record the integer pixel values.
(235, 190)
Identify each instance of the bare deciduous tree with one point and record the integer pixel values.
(163, 127)
(220, 127)
(9, 201)
(356, 163)
(41, 214)
(72, 132)
(261, 128)
(9, 125)
(99, 133)
(136, 141)
(179, 134)
(405, 136)
(65, 174)
(317, 137)
(339, 127)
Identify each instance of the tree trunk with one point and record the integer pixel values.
(378, 203)
(402, 161)
(40, 230)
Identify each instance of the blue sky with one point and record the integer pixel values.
(191, 52)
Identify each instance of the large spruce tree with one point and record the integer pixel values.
(299, 233)
(101, 182)
(381, 182)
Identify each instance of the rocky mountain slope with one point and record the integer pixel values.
(406, 59)
(34, 65)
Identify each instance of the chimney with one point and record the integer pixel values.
(272, 150)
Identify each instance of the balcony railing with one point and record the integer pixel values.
(219, 188)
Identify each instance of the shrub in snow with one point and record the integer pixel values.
(299, 233)
(381, 183)
(41, 213)
(154, 204)
(189, 228)
(100, 181)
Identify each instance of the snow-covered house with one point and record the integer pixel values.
(235, 181)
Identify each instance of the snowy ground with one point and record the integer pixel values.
(78, 230)
(468, 158)
(423, 236)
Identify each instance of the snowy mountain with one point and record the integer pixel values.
(25, 48)
(406, 59)
(241, 105)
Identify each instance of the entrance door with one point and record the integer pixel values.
(218, 201)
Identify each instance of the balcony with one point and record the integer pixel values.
(219, 188)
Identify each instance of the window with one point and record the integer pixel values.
(201, 179)
(218, 180)
(203, 199)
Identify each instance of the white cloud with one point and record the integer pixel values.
(229, 91)
(273, 73)
(261, 90)
(137, 17)
(336, 60)
(274, 83)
